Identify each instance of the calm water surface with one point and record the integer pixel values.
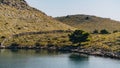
(50, 59)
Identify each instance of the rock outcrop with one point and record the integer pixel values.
(20, 4)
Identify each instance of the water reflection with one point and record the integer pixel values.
(14, 50)
(11, 59)
(51, 59)
(37, 52)
(78, 57)
(78, 61)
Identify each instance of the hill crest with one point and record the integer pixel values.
(16, 16)
(90, 23)
(20, 4)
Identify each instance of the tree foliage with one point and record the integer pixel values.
(78, 36)
(104, 31)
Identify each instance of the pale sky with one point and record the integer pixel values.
(102, 8)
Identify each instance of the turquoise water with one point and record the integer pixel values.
(50, 59)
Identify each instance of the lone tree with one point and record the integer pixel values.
(104, 31)
(78, 36)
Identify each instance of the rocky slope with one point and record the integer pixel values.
(16, 16)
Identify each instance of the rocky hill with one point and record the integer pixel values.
(90, 23)
(15, 3)
(16, 16)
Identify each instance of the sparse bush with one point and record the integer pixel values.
(6, 23)
(37, 44)
(50, 45)
(95, 32)
(14, 45)
(67, 16)
(19, 28)
(115, 31)
(3, 37)
(104, 31)
(87, 18)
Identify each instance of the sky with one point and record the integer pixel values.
(56, 8)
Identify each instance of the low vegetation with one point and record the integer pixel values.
(104, 31)
(23, 26)
(106, 42)
(16, 16)
(57, 39)
(78, 36)
(89, 23)
(95, 32)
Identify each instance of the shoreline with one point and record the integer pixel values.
(111, 55)
(100, 53)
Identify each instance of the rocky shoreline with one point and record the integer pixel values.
(101, 53)
(114, 55)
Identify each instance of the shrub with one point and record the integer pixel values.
(14, 45)
(87, 18)
(104, 31)
(3, 37)
(115, 31)
(37, 45)
(78, 36)
(50, 45)
(19, 28)
(95, 32)
(67, 16)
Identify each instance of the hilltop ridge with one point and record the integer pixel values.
(90, 23)
(21, 4)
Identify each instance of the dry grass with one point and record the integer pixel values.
(56, 39)
(14, 20)
(90, 23)
(107, 42)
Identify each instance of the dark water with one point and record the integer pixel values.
(50, 59)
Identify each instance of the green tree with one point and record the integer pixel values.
(104, 31)
(78, 36)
